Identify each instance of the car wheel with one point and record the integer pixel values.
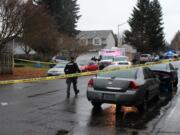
(96, 104)
(118, 108)
(157, 96)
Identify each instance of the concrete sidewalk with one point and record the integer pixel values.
(170, 124)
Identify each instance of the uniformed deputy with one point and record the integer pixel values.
(71, 68)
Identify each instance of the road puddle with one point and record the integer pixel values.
(109, 117)
(62, 132)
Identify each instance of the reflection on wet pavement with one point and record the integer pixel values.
(109, 118)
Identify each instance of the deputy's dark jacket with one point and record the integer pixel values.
(71, 68)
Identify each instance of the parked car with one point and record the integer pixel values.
(134, 87)
(167, 74)
(122, 60)
(156, 58)
(59, 58)
(145, 58)
(58, 69)
(168, 57)
(120, 66)
(86, 65)
(104, 64)
(107, 58)
(82, 63)
(92, 66)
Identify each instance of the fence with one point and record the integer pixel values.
(6, 63)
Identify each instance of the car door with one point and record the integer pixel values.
(155, 82)
(173, 72)
(93, 66)
(150, 87)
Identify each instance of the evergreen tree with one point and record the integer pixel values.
(65, 13)
(175, 43)
(155, 28)
(146, 31)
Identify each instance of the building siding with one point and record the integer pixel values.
(110, 41)
(105, 37)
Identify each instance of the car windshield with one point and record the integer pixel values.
(120, 59)
(82, 62)
(60, 65)
(122, 63)
(144, 55)
(107, 57)
(159, 67)
(129, 74)
(61, 57)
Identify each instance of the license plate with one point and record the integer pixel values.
(109, 97)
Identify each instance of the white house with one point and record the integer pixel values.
(18, 47)
(99, 39)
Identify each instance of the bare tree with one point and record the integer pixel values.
(11, 12)
(72, 46)
(39, 30)
(26, 49)
(175, 43)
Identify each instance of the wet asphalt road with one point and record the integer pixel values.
(42, 109)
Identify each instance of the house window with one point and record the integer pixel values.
(97, 41)
(90, 41)
(83, 42)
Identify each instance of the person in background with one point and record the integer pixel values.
(100, 58)
(71, 68)
(93, 58)
(156, 58)
(101, 66)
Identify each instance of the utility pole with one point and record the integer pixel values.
(120, 42)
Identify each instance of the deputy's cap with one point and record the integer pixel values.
(72, 58)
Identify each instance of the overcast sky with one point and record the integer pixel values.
(107, 14)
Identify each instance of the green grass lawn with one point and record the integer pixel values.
(32, 64)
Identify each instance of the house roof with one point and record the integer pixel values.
(91, 34)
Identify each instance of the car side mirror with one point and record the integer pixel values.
(176, 68)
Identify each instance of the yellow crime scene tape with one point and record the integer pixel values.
(31, 80)
(33, 61)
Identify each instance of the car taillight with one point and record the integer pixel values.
(90, 83)
(133, 85)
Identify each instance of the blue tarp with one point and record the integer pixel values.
(170, 53)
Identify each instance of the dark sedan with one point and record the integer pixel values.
(167, 74)
(123, 87)
(103, 64)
